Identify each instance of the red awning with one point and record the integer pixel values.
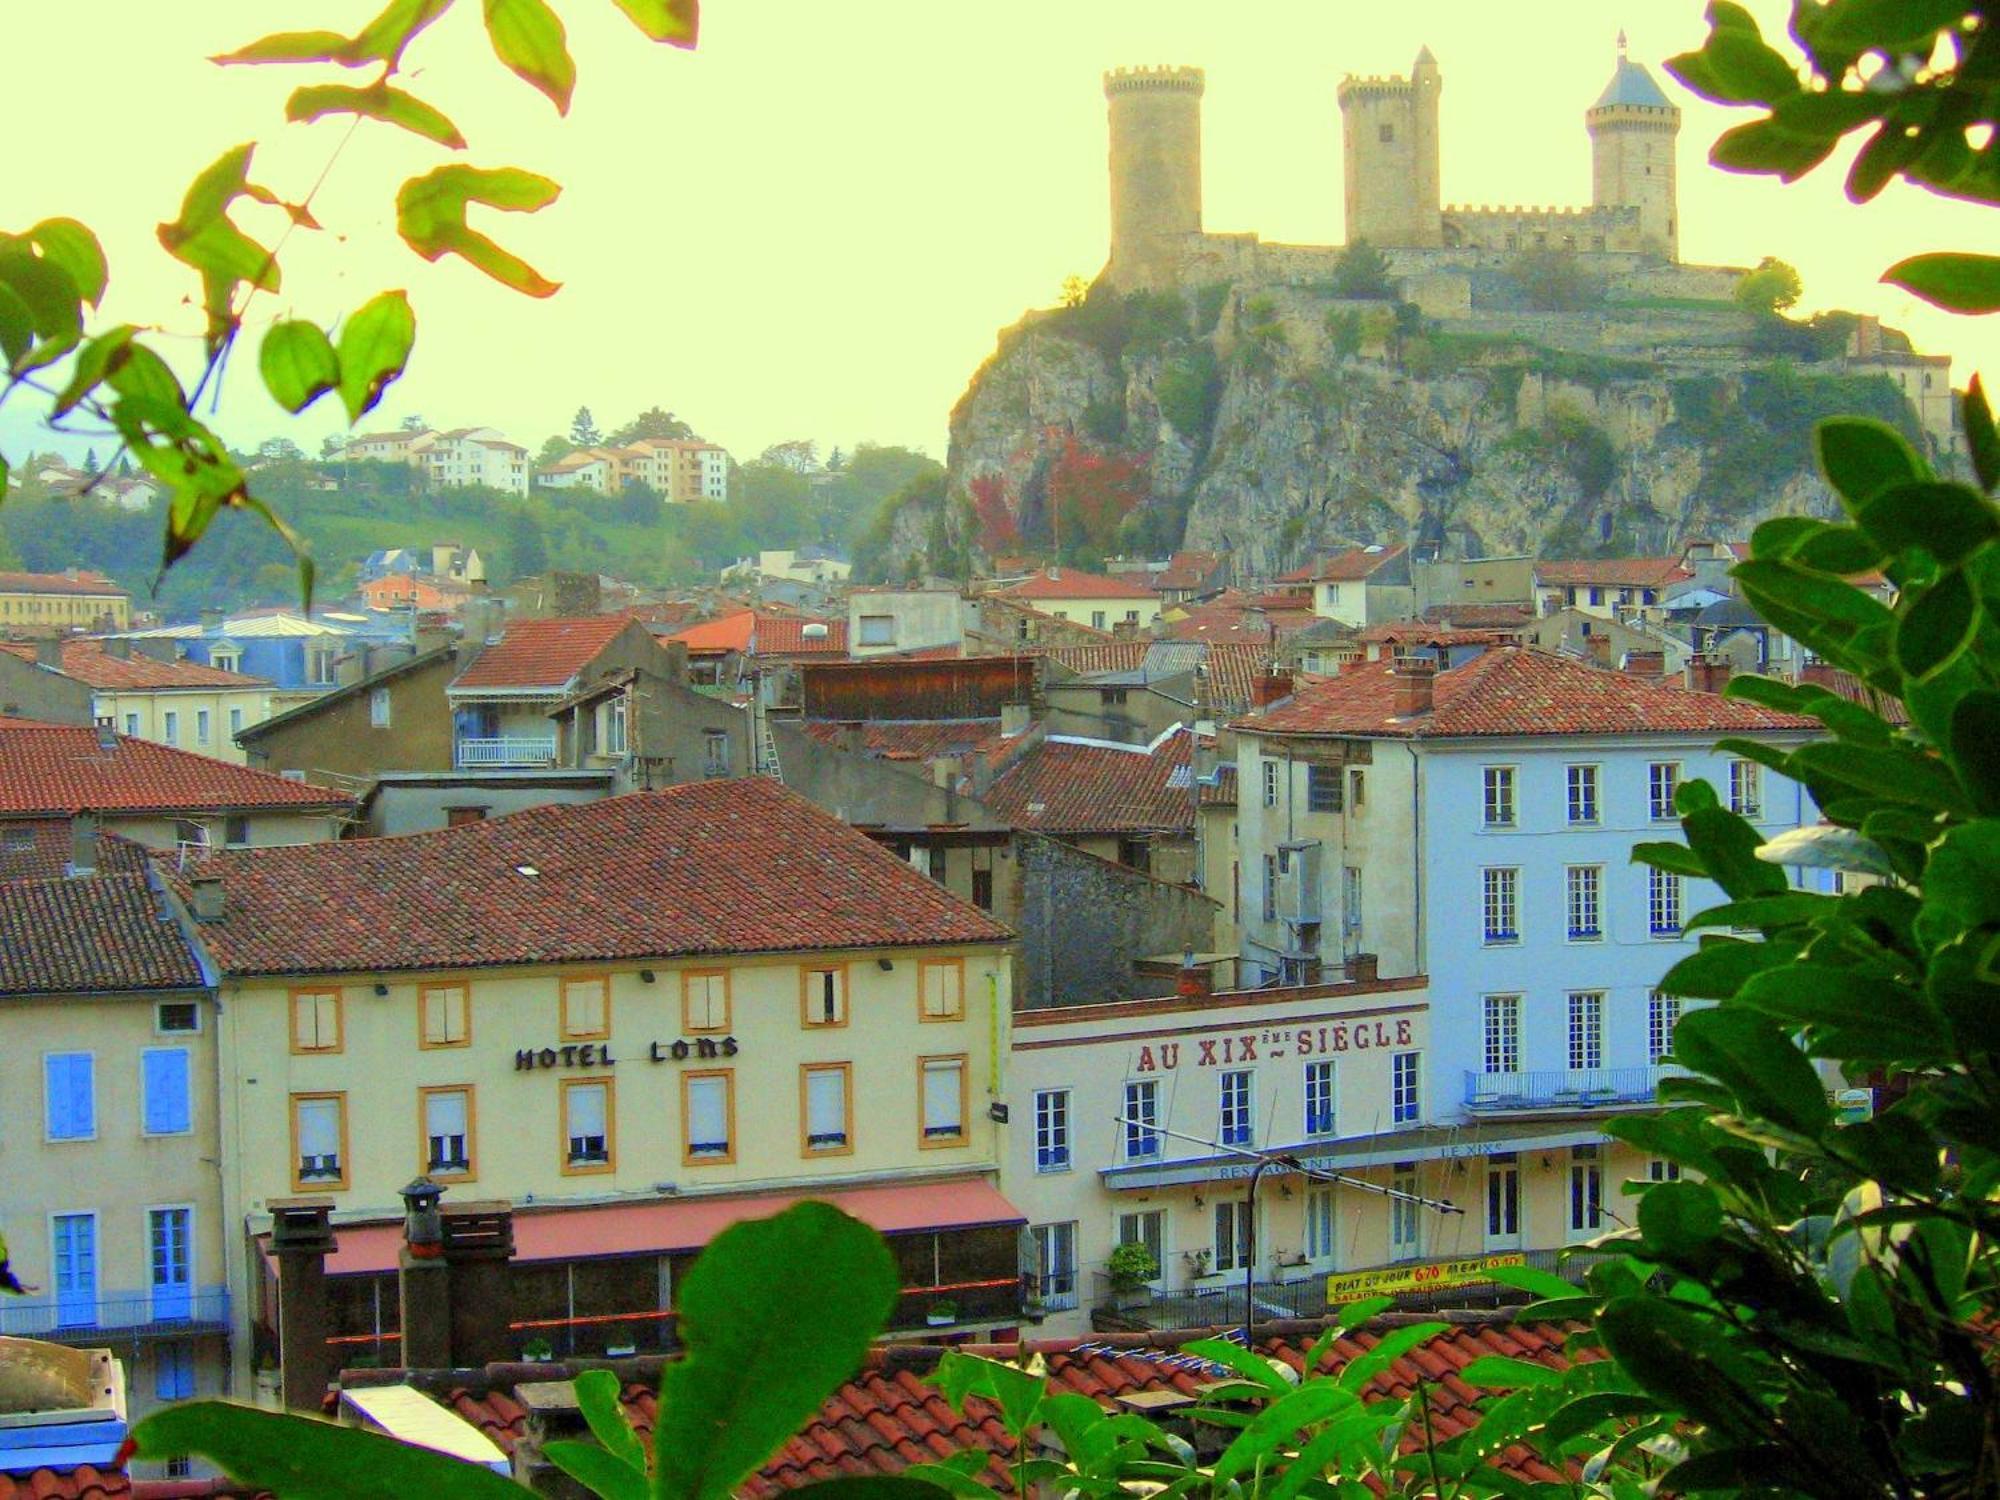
(665, 1225)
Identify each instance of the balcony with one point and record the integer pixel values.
(175, 1313)
(1563, 1089)
(507, 750)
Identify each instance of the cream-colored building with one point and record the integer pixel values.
(1086, 598)
(171, 702)
(637, 1020)
(51, 603)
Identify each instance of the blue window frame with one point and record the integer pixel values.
(166, 1106)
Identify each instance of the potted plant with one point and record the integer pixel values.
(538, 1351)
(941, 1313)
(1198, 1262)
(1131, 1267)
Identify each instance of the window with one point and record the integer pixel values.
(1503, 1033)
(172, 732)
(1663, 1013)
(1663, 902)
(1232, 1235)
(1146, 1227)
(942, 1082)
(1236, 1107)
(1321, 1106)
(614, 726)
(878, 630)
(982, 879)
(166, 1095)
(1350, 899)
(319, 1140)
(1499, 888)
(201, 718)
(1585, 884)
(173, 1370)
(1499, 796)
(1319, 1224)
(826, 1094)
(705, 1000)
(1586, 1029)
(69, 1091)
(1052, 1130)
(319, 664)
(1659, 1169)
(444, 1016)
(936, 863)
(132, 725)
(1270, 888)
(1663, 779)
(236, 832)
(942, 984)
(73, 1239)
(1357, 788)
(378, 708)
(715, 752)
(448, 1131)
(1270, 783)
(235, 722)
(1746, 788)
(1405, 1106)
(316, 1020)
(1405, 1234)
(173, 1017)
(1386, 134)
(587, 1124)
(1503, 1198)
(1323, 789)
(1097, 619)
(1053, 1274)
(1142, 1118)
(1586, 1190)
(458, 817)
(823, 996)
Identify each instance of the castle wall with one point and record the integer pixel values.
(1616, 229)
(1632, 163)
(1155, 165)
(1389, 159)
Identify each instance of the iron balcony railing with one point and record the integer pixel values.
(1562, 1088)
(80, 1318)
(508, 750)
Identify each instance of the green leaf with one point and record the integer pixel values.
(303, 1458)
(1946, 520)
(298, 364)
(951, 1480)
(1017, 1393)
(430, 215)
(66, 243)
(748, 1380)
(52, 301)
(1758, 1063)
(1888, 1019)
(1391, 1347)
(375, 345)
(1276, 1424)
(871, 1487)
(1771, 145)
(675, 22)
(1717, 969)
(204, 238)
(1887, 25)
(17, 325)
(1940, 624)
(1676, 859)
(1594, 1410)
(378, 102)
(1975, 747)
(528, 37)
(1682, 1359)
(598, 1394)
(1727, 846)
(1957, 283)
(1981, 437)
(1840, 550)
(1532, 1279)
(1679, 1219)
(1735, 66)
(1862, 457)
(601, 1473)
(1245, 1362)
(1501, 1372)
(384, 38)
(93, 363)
(1897, 775)
(139, 373)
(291, 46)
(1834, 619)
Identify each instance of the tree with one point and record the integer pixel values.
(330, 447)
(583, 429)
(527, 552)
(1363, 272)
(280, 450)
(800, 455)
(650, 423)
(414, 423)
(1770, 289)
(1553, 280)
(90, 460)
(640, 504)
(1074, 290)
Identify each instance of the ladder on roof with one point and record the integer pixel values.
(766, 748)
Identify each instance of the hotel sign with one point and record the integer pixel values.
(598, 1054)
(1348, 1287)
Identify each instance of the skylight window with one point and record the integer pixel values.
(526, 870)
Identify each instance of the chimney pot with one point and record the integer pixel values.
(1272, 687)
(1415, 682)
(1708, 673)
(208, 898)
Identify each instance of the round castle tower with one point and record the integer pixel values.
(1389, 157)
(1155, 118)
(1632, 131)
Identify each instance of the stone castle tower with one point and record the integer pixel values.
(1155, 172)
(1389, 157)
(1632, 129)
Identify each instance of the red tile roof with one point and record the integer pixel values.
(89, 663)
(40, 849)
(546, 654)
(1512, 691)
(738, 866)
(1477, 616)
(914, 739)
(1075, 787)
(58, 769)
(1111, 656)
(763, 633)
(1228, 617)
(90, 934)
(1351, 566)
(60, 583)
(81, 1483)
(1616, 572)
(1074, 583)
(1232, 667)
(1188, 570)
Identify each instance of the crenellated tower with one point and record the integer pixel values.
(1389, 157)
(1633, 127)
(1155, 125)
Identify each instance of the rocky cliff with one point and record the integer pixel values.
(1276, 423)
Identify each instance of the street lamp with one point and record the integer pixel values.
(1290, 1164)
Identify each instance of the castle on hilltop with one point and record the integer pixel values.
(1390, 155)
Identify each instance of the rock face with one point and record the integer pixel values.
(1280, 422)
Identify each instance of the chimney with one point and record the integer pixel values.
(211, 619)
(1124, 630)
(1415, 677)
(83, 844)
(1599, 649)
(1820, 674)
(118, 647)
(1014, 719)
(677, 660)
(107, 733)
(550, 1414)
(479, 1248)
(1272, 687)
(208, 901)
(1344, 657)
(1195, 980)
(1707, 673)
(1363, 968)
(49, 653)
(854, 737)
(1646, 663)
(423, 1280)
(301, 1240)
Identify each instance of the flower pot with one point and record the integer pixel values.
(940, 1320)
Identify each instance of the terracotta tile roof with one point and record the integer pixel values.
(541, 653)
(59, 583)
(81, 1483)
(1477, 616)
(1232, 667)
(89, 663)
(1090, 786)
(1616, 572)
(784, 635)
(1423, 632)
(737, 866)
(1074, 583)
(1228, 617)
(39, 849)
(1351, 566)
(1110, 656)
(58, 769)
(1188, 570)
(90, 934)
(914, 739)
(1512, 691)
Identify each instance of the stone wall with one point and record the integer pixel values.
(1084, 920)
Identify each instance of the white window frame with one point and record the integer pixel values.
(1234, 1246)
(1665, 895)
(1586, 1030)
(1142, 1119)
(1502, 1036)
(1586, 1192)
(1235, 1090)
(1052, 1136)
(1503, 1200)
(381, 709)
(1663, 780)
(1746, 789)
(1406, 1094)
(1663, 1013)
(1322, 1100)
(1054, 1267)
(1500, 809)
(1406, 1234)
(1500, 905)
(1583, 781)
(1584, 900)
(1270, 782)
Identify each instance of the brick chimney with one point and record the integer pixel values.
(1271, 687)
(479, 1248)
(1363, 968)
(1708, 674)
(1598, 647)
(1195, 980)
(301, 1240)
(1415, 677)
(1646, 663)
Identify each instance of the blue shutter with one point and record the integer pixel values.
(72, 1113)
(166, 1085)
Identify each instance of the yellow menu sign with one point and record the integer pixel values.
(1352, 1285)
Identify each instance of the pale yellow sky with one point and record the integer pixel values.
(815, 224)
